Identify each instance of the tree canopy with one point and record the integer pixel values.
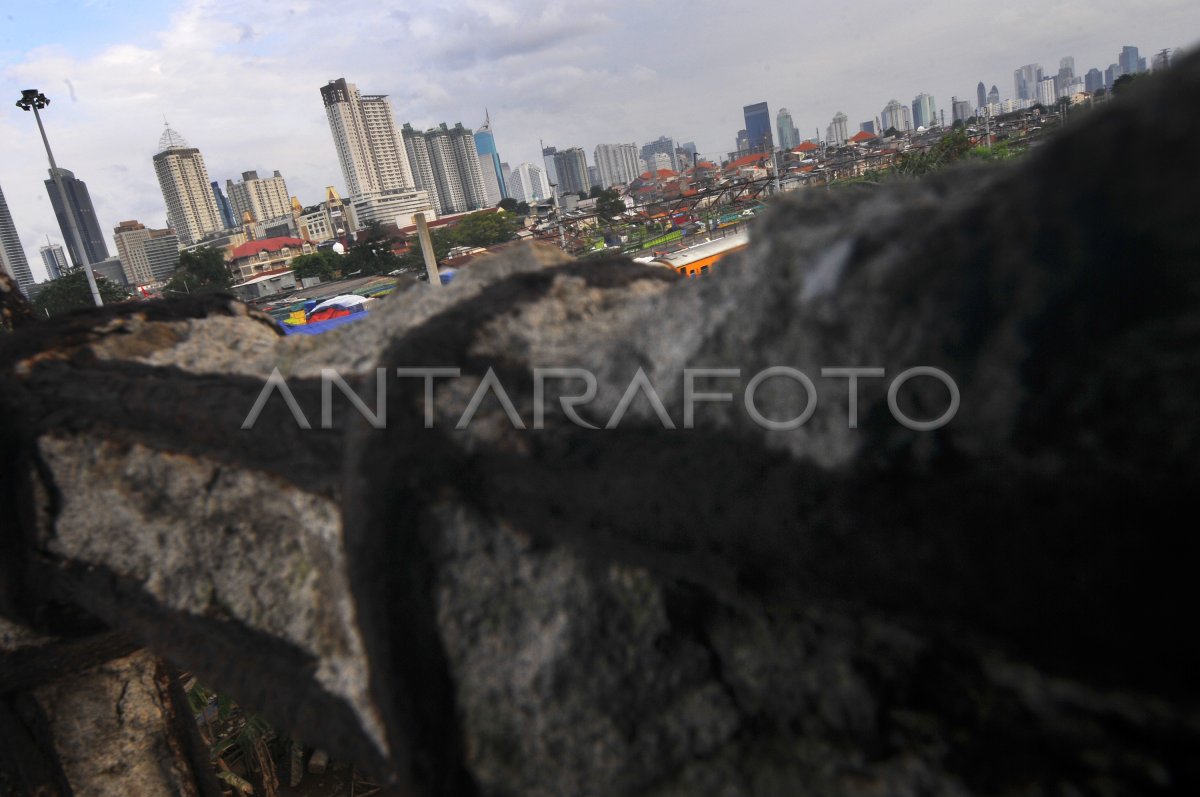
(950, 148)
(510, 205)
(72, 292)
(1123, 83)
(609, 204)
(200, 271)
(324, 264)
(482, 229)
(372, 252)
(477, 229)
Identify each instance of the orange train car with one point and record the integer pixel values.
(700, 258)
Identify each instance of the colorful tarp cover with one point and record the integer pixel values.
(317, 327)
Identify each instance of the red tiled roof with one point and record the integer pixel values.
(252, 248)
(662, 173)
(746, 160)
(806, 146)
(861, 136)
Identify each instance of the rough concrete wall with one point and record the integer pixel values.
(1001, 606)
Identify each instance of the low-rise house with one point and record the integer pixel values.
(269, 283)
(254, 258)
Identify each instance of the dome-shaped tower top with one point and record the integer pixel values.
(171, 140)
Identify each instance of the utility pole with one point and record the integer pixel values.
(427, 249)
(34, 100)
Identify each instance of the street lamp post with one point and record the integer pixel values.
(34, 100)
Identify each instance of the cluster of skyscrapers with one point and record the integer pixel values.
(392, 172)
(567, 171)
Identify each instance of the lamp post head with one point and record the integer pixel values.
(32, 98)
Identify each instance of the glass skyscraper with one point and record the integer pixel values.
(758, 126)
(489, 162)
(12, 255)
(78, 204)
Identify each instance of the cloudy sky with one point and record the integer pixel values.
(240, 79)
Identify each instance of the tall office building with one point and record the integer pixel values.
(529, 183)
(146, 255)
(665, 146)
(162, 254)
(960, 110)
(1025, 81)
(131, 237)
(980, 96)
(12, 254)
(494, 184)
(223, 206)
(1129, 61)
(54, 260)
(466, 161)
(550, 173)
(79, 204)
(186, 189)
(1047, 91)
(895, 115)
(262, 198)
(686, 155)
(420, 164)
(788, 135)
(571, 165)
(993, 96)
(758, 126)
(924, 110)
(370, 148)
(447, 159)
(618, 164)
(837, 133)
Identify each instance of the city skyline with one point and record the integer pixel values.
(112, 79)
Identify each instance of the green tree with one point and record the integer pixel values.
(891, 132)
(72, 292)
(372, 252)
(522, 208)
(950, 148)
(483, 229)
(200, 271)
(1123, 83)
(323, 264)
(595, 192)
(508, 205)
(609, 204)
(996, 152)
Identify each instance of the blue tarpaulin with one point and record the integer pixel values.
(317, 327)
